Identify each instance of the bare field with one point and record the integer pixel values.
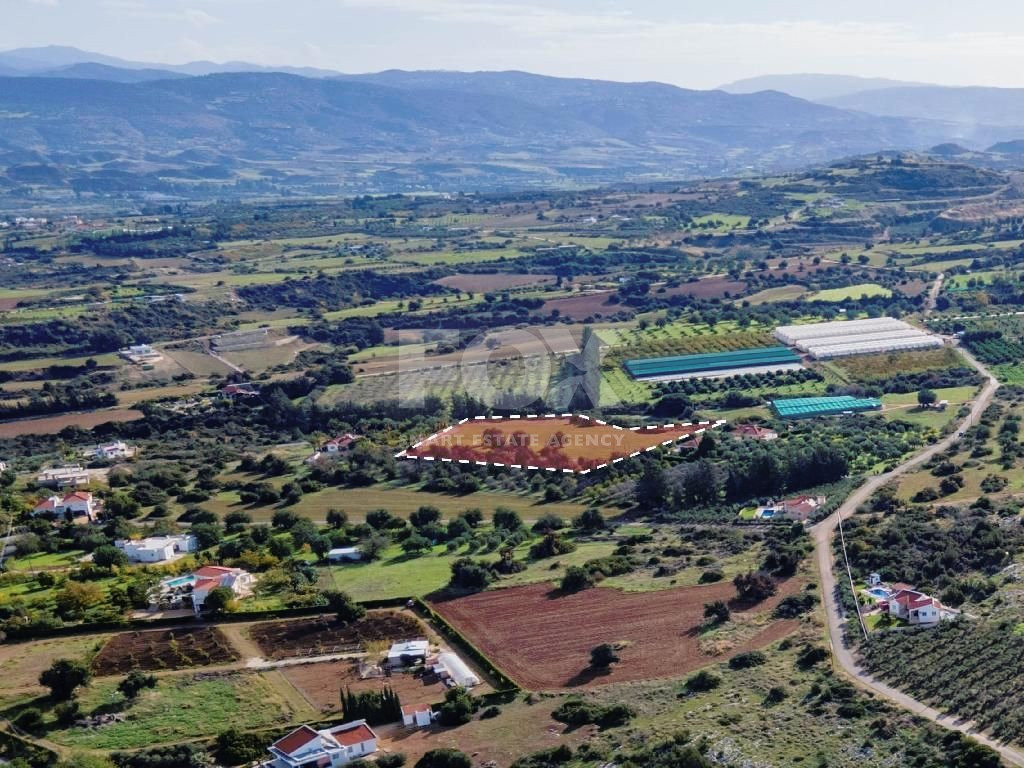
(322, 683)
(542, 638)
(581, 307)
(51, 425)
(497, 282)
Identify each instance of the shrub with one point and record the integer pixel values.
(603, 656)
(391, 760)
(747, 660)
(702, 681)
(576, 579)
(776, 695)
(444, 758)
(29, 719)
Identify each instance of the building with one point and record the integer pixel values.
(73, 476)
(140, 353)
(158, 549)
(193, 588)
(915, 608)
(824, 341)
(401, 654)
(3, 466)
(344, 554)
(451, 667)
(115, 450)
(799, 508)
(78, 504)
(755, 432)
(306, 747)
(341, 444)
(245, 389)
(210, 577)
(808, 407)
(417, 716)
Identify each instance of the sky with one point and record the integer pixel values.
(691, 44)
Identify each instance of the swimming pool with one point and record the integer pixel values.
(181, 581)
(767, 513)
(880, 592)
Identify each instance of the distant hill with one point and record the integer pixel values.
(813, 87)
(966, 106)
(401, 131)
(949, 149)
(1014, 147)
(92, 71)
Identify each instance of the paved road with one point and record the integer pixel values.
(823, 534)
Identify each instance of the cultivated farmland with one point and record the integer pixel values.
(163, 649)
(320, 635)
(542, 639)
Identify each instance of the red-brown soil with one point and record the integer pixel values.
(163, 649)
(542, 638)
(322, 683)
(582, 307)
(573, 443)
(497, 282)
(51, 425)
(322, 635)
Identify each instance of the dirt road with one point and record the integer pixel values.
(823, 534)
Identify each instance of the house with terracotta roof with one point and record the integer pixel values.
(177, 591)
(306, 747)
(755, 432)
(417, 716)
(915, 608)
(78, 505)
(334, 448)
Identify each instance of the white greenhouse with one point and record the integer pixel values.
(457, 670)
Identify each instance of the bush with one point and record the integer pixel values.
(747, 660)
(236, 748)
(710, 577)
(577, 712)
(576, 579)
(603, 656)
(702, 681)
(391, 760)
(776, 695)
(487, 714)
(458, 707)
(63, 677)
(444, 758)
(30, 719)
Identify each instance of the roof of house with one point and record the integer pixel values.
(343, 440)
(410, 647)
(214, 571)
(295, 740)
(352, 733)
(911, 599)
(45, 504)
(205, 584)
(754, 429)
(415, 708)
(78, 496)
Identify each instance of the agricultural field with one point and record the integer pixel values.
(51, 425)
(163, 649)
(321, 635)
(321, 683)
(575, 443)
(543, 639)
(850, 292)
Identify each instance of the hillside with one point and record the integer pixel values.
(813, 86)
(967, 106)
(398, 131)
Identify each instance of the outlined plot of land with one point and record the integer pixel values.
(567, 442)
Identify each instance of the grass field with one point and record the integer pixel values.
(45, 362)
(768, 295)
(188, 707)
(850, 292)
(904, 407)
(22, 663)
(874, 367)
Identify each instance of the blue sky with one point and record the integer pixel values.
(693, 44)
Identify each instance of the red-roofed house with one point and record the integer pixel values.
(76, 504)
(417, 716)
(341, 444)
(305, 747)
(915, 608)
(210, 577)
(755, 432)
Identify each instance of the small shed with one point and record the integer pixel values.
(344, 554)
(411, 649)
(417, 716)
(457, 670)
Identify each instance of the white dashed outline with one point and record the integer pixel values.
(704, 426)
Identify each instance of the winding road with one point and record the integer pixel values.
(823, 534)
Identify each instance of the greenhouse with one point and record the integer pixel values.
(824, 341)
(791, 334)
(805, 407)
(714, 364)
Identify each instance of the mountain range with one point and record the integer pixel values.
(73, 122)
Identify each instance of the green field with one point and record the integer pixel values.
(904, 407)
(850, 292)
(186, 708)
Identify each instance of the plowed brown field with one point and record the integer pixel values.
(542, 639)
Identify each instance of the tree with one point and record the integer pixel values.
(285, 519)
(506, 519)
(547, 523)
(445, 757)
(754, 586)
(652, 489)
(472, 516)
(603, 656)
(207, 534)
(576, 578)
(424, 516)
(236, 520)
(109, 556)
(926, 397)
(415, 544)
(470, 574)
(76, 598)
(716, 612)
(135, 682)
(336, 518)
(457, 708)
(343, 606)
(379, 518)
(237, 748)
(590, 520)
(219, 600)
(63, 677)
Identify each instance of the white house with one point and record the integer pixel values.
(157, 549)
(344, 554)
(73, 476)
(115, 450)
(417, 716)
(77, 504)
(306, 747)
(3, 466)
(916, 608)
(412, 649)
(755, 432)
(341, 444)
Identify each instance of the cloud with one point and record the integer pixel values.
(45, 3)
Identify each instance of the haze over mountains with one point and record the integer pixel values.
(83, 123)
